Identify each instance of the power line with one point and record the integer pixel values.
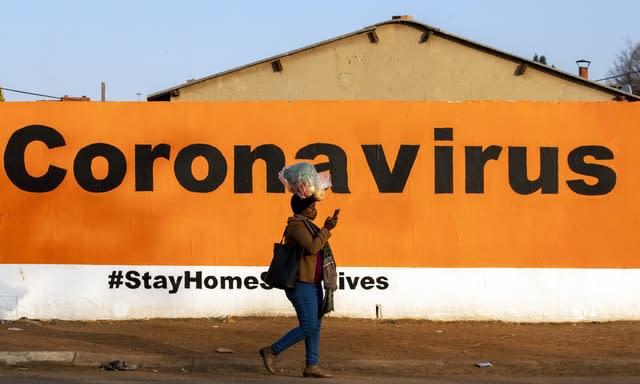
(624, 74)
(30, 93)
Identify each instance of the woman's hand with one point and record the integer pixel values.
(331, 222)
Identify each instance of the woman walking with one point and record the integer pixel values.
(316, 265)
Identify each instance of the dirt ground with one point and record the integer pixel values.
(391, 346)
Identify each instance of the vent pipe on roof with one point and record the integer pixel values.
(583, 68)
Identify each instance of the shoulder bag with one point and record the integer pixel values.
(283, 271)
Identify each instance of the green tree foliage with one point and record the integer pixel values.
(626, 68)
(540, 59)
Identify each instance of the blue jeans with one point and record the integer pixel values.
(306, 299)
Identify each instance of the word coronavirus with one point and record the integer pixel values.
(585, 161)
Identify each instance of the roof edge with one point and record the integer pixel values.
(510, 56)
(166, 94)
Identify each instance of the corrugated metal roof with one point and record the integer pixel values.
(165, 94)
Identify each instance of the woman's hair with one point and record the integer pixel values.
(299, 204)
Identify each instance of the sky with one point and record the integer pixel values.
(139, 47)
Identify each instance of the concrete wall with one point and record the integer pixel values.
(92, 229)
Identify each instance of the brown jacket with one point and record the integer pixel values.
(298, 234)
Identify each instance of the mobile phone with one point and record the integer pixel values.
(336, 213)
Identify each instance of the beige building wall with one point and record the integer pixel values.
(396, 67)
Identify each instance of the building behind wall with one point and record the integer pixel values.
(399, 59)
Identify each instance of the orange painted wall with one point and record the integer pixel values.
(415, 228)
